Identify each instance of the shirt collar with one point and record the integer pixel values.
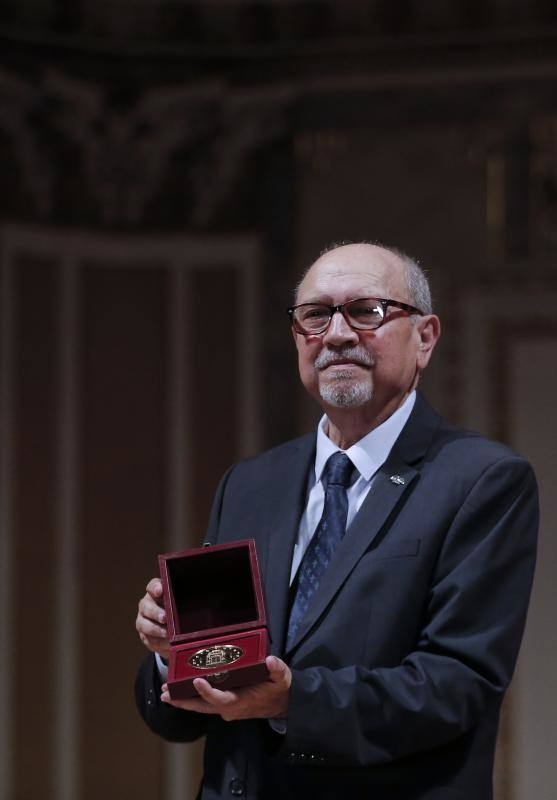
(370, 452)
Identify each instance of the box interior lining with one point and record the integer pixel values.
(212, 589)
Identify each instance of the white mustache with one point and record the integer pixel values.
(357, 355)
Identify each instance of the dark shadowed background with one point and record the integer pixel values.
(167, 170)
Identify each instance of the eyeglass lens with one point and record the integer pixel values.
(364, 313)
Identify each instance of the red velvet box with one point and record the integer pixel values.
(216, 619)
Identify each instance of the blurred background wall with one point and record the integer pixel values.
(158, 160)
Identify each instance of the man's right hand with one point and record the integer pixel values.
(151, 620)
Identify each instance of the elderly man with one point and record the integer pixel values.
(397, 553)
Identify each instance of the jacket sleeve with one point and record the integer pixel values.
(465, 652)
(171, 723)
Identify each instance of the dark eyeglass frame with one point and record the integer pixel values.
(383, 302)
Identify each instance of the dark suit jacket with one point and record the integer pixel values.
(400, 666)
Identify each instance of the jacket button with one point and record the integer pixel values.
(237, 787)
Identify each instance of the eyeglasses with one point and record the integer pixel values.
(363, 314)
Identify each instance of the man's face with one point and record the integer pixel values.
(347, 368)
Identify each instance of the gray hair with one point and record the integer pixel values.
(419, 293)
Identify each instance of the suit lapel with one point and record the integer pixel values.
(283, 514)
(391, 484)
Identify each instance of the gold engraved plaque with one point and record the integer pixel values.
(215, 656)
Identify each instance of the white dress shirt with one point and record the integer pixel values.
(367, 455)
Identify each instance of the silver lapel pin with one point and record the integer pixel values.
(398, 480)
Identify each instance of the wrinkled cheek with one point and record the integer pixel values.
(308, 374)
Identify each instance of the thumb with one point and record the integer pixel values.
(276, 667)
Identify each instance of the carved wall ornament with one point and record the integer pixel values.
(21, 106)
(125, 153)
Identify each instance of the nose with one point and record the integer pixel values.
(339, 331)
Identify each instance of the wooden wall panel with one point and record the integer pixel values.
(532, 384)
(6, 502)
(493, 400)
(120, 408)
(123, 472)
(34, 536)
(215, 372)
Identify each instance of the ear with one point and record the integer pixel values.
(429, 331)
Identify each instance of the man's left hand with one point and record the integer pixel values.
(267, 699)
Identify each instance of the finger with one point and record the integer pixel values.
(215, 697)
(191, 704)
(150, 644)
(278, 670)
(148, 608)
(151, 629)
(154, 588)
(198, 701)
(156, 645)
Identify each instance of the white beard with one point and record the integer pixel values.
(346, 393)
(343, 390)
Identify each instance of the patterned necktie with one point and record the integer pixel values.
(325, 540)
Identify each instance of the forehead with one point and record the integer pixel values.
(354, 271)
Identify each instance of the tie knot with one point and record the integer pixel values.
(338, 470)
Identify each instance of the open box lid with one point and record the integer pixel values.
(212, 591)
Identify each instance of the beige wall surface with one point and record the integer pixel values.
(533, 382)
